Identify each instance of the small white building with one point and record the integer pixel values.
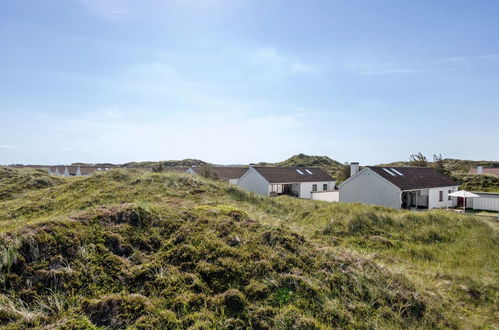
(487, 201)
(230, 174)
(302, 182)
(398, 187)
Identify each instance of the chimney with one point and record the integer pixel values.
(479, 170)
(354, 168)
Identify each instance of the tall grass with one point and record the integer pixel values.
(294, 262)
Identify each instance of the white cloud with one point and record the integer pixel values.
(109, 9)
(269, 60)
(299, 67)
(461, 59)
(415, 67)
(7, 146)
(384, 69)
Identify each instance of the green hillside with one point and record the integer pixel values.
(463, 166)
(182, 163)
(15, 182)
(140, 250)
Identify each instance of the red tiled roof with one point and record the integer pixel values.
(489, 171)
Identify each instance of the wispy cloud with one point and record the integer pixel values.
(6, 146)
(461, 59)
(415, 67)
(109, 9)
(384, 69)
(268, 59)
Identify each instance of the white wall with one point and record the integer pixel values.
(328, 196)
(253, 181)
(370, 188)
(488, 202)
(433, 200)
(306, 188)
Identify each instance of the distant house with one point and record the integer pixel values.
(74, 170)
(398, 187)
(302, 182)
(54, 170)
(481, 170)
(230, 174)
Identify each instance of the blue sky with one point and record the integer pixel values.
(238, 81)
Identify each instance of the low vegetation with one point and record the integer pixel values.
(160, 250)
(14, 182)
(181, 163)
(483, 183)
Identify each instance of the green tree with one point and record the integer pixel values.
(418, 160)
(439, 164)
(343, 173)
(158, 168)
(207, 172)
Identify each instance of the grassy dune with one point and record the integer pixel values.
(161, 250)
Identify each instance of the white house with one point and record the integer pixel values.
(398, 187)
(302, 182)
(230, 174)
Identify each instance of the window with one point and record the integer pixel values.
(448, 193)
(398, 172)
(387, 171)
(308, 171)
(324, 186)
(314, 187)
(299, 172)
(440, 196)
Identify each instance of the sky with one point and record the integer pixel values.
(240, 81)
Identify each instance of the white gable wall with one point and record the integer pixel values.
(306, 188)
(255, 182)
(370, 188)
(434, 197)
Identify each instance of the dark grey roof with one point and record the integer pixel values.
(223, 172)
(414, 177)
(292, 174)
(176, 169)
